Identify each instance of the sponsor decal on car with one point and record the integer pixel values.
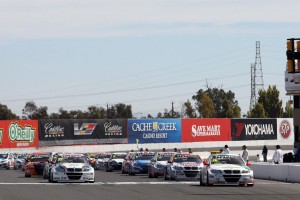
(285, 129)
(85, 129)
(19, 134)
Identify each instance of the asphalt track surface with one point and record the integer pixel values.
(114, 185)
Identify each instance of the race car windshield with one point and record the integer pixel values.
(235, 160)
(186, 159)
(92, 155)
(39, 159)
(144, 157)
(103, 156)
(118, 156)
(72, 160)
(20, 156)
(164, 158)
(3, 155)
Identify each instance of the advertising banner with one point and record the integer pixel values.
(285, 130)
(19, 133)
(202, 130)
(254, 129)
(87, 131)
(154, 131)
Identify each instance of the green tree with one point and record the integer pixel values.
(206, 106)
(95, 112)
(188, 110)
(257, 112)
(288, 111)
(227, 111)
(271, 102)
(6, 113)
(31, 111)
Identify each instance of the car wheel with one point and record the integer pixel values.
(122, 171)
(201, 181)
(155, 175)
(207, 181)
(165, 175)
(15, 167)
(44, 174)
(150, 175)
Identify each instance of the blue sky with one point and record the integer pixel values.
(74, 53)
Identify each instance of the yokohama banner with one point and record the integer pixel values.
(19, 133)
(154, 131)
(86, 131)
(254, 129)
(200, 130)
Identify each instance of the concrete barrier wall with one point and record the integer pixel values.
(127, 147)
(282, 172)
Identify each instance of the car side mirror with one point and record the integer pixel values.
(205, 163)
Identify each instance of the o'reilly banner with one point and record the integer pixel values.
(154, 131)
(87, 131)
(254, 129)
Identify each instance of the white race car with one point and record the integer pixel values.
(72, 168)
(101, 159)
(226, 169)
(183, 166)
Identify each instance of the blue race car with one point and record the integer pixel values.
(140, 163)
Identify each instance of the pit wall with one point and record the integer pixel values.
(288, 172)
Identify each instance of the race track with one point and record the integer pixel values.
(114, 185)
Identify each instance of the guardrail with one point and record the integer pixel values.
(288, 172)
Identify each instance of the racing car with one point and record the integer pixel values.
(19, 160)
(183, 166)
(6, 160)
(226, 169)
(115, 161)
(72, 168)
(100, 160)
(158, 164)
(140, 162)
(35, 164)
(126, 162)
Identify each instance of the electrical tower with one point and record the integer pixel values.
(257, 82)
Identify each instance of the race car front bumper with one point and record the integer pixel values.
(231, 179)
(185, 174)
(73, 177)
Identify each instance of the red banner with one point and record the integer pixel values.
(19, 133)
(202, 130)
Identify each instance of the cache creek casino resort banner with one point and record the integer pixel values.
(154, 131)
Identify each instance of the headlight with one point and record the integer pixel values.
(214, 171)
(60, 169)
(245, 172)
(87, 168)
(178, 168)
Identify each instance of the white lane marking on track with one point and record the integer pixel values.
(134, 183)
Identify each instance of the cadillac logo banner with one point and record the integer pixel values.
(87, 131)
(254, 129)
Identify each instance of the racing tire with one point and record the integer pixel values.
(150, 175)
(165, 175)
(15, 167)
(122, 171)
(155, 176)
(44, 175)
(207, 181)
(27, 175)
(201, 183)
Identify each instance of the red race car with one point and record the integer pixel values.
(35, 164)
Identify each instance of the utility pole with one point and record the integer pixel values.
(172, 111)
(107, 111)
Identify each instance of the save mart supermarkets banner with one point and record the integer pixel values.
(202, 130)
(154, 131)
(85, 131)
(19, 133)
